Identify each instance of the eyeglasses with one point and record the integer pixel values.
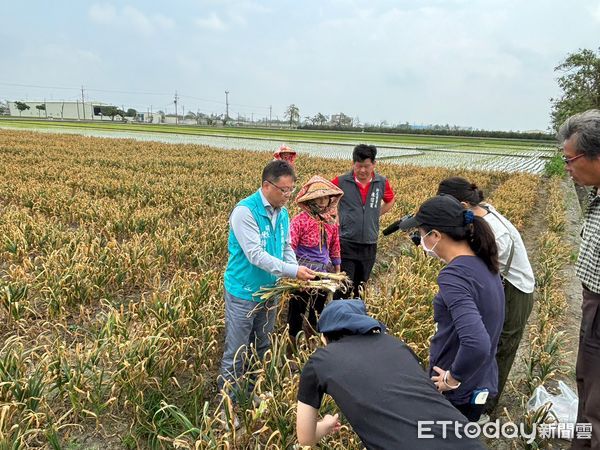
(284, 191)
(570, 160)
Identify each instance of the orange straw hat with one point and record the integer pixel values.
(320, 187)
(286, 153)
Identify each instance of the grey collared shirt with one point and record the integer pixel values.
(247, 233)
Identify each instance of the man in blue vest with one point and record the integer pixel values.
(259, 253)
(359, 212)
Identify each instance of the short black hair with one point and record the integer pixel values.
(277, 169)
(364, 151)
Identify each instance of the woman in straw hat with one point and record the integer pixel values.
(315, 239)
(285, 153)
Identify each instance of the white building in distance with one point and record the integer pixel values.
(70, 110)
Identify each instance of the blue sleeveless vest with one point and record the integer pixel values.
(243, 279)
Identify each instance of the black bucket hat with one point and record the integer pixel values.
(349, 316)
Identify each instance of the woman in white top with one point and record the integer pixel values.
(515, 269)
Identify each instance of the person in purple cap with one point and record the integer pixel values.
(378, 385)
(469, 308)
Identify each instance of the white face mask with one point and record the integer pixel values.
(429, 251)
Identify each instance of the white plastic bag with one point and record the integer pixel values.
(564, 405)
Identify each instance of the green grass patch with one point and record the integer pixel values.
(555, 167)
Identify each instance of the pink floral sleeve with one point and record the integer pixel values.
(334, 244)
(295, 230)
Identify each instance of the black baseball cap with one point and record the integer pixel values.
(442, 212)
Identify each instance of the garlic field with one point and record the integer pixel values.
(112, 254)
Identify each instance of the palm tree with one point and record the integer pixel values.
(293, 114)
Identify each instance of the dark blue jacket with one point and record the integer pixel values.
(469, 313)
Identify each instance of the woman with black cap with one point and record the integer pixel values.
(515, 269)
(469, 307)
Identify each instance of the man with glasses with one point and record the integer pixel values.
(259, 252)
(580, 139)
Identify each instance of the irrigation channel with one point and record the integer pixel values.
(505, 159)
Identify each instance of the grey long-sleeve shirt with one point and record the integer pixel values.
(246, 231)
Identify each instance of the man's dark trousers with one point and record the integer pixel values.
(588, 370)
(357, 262)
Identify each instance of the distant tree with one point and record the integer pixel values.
(40, 108)
(109, 111)
(342, 120)
(580, 85)
(21, 106)
(202, 117)
(4, 109)
(131, 112)
(121, 113)
(292, 113)
(320, 119)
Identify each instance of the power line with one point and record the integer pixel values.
(81, 97)
(37, 86)
(221, 103)
(175, 101)
(115, 91)
(82, 102)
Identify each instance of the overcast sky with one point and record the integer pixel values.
(485, 64)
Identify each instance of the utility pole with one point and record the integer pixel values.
(176, 118)
(82, 102)
(270, 114)
(226, 105)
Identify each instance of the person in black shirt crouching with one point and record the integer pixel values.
(377, 383)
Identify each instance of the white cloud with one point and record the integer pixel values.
(212, 22)
(102, 13)
(163, 22)
(138, 20)
(129, 17)
(88, 56)
(596, 12)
